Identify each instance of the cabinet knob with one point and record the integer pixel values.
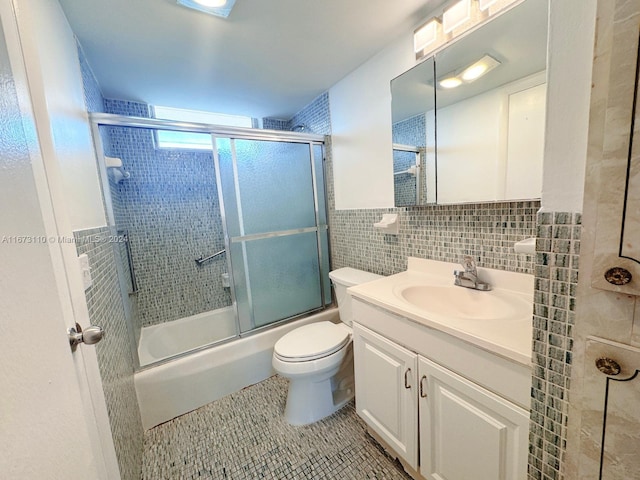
(608, 366)
(618, 276)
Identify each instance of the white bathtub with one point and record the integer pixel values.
(177, 387)
(171, 338)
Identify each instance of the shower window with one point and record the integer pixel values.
(171, 139)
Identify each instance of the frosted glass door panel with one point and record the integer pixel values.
(276, 186)
(284, 276)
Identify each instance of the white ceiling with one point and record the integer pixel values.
(270, 58)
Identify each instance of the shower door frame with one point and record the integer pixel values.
(215, 131)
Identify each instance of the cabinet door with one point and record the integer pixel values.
(467, 432)
(386, 396)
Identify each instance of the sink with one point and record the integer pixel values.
(460, 302)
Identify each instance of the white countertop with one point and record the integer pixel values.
(509, 337)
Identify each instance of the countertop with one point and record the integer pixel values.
(509, 337)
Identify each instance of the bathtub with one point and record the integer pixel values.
(182, 385)
(171, 338)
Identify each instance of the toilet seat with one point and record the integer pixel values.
(311, 342)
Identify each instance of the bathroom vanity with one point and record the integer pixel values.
(443, 372)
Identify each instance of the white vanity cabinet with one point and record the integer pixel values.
(447, 409)
(386, 376)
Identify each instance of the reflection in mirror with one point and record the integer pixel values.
(490, 112)
(491, 109)
(413, 131)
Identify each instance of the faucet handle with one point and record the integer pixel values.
(468, 263)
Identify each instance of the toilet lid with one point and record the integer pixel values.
(312, 341)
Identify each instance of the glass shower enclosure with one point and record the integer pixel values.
(249, 210)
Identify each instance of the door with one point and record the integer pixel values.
(467, 432)
(386, 396)
(53, 422)
(272, 197)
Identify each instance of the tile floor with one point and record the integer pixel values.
(243, 436)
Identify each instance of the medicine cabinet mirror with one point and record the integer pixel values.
(475, 115)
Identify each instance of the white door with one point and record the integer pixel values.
(467, 432)
(386, 396)
(53, 421)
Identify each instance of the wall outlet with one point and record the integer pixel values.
(85, 270)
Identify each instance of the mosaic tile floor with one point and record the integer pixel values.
(243, 436)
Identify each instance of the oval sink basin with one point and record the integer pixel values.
(460, 302)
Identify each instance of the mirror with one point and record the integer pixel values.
(488, 110)
(413, 133)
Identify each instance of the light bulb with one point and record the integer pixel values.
(473, 72)
(211, 3)
(451, 82)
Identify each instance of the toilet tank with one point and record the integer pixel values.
(344, 278)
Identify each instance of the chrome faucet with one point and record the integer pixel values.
(468, 277)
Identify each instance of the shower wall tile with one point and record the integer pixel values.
(128, 108)
(316, 116)
(275, 124)
(169, 206)
(412, 131)
(556, 267)
(92, 94)
(114, 352)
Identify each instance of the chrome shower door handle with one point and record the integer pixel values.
(90, 336)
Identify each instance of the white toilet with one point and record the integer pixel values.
(318, 358)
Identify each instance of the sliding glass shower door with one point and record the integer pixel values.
(276, 227)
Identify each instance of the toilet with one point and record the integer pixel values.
(318, 358)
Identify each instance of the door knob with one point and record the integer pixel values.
(90, 336)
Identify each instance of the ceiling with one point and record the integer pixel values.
(269, 58)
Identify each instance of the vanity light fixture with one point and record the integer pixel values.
(479, 68)
(470, 73)
(484, 4)
(425, 35)
(456, 15)
(450, 82)
(219, 8)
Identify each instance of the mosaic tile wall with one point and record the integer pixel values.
(106, 308)
(315, 116)
(169, 206)
(412, 131)
(486, 231)
(115, 360)
(556, 269)
(92, 94)
(275, 124)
